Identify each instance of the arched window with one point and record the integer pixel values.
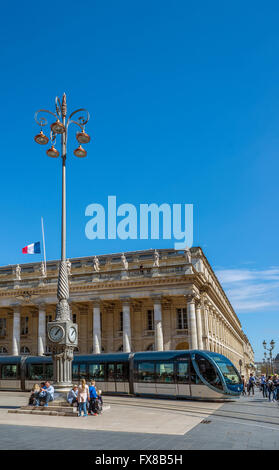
(120, 349)
(150, 347)
(24, 350)
(76, 351)
(3, 350)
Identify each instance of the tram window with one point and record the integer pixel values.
(146, 372)
(111, 377)
(48, 372)
(97, 372)
(36, 372)
(119, 376)
(9, 371)
(183, 372)
(165, 373)
(82, 371)
(230, 375)
(208, 371)
(75, 372)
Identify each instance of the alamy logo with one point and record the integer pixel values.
(149, 221)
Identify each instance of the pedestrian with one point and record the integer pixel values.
(243, 385)
(72, 395)
(34, 395)
(93, 396)
(263, 386)
(276, 383)
(83, 397)
(251, 385)
(48, 393)
(271, 389)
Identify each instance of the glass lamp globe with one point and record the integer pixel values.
(80, 152)
(82, 137)
(52, 152)
(41, 138)
(57, 127)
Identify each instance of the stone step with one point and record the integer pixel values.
(67, 409)
(41, 412)
(50, 411)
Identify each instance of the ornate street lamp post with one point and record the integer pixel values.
(62, 332)
(272, 344)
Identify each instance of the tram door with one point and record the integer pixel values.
(111, 383)
(117, 378)
(182, 376)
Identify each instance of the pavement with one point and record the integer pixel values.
(145, 423)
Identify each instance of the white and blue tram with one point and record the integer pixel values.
(201, 375)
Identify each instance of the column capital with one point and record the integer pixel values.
(96, 301)
(157, 298)
(16, 307)
(125, 299)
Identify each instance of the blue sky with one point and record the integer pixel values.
(184, 102)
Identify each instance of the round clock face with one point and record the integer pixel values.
(56, 333)
(72, 334)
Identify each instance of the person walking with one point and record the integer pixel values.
(271, 389)
(251, 384)
(83, 397)
(263, 386)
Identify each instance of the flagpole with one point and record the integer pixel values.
(42, 220)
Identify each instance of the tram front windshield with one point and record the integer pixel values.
(229, 372)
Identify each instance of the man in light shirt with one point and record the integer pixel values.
(49, 393)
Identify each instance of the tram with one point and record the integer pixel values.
(191, 374)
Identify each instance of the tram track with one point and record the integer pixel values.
(201, 412)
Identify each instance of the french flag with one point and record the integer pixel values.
(32, 249)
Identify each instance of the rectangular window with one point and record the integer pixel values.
(75, 372)
(82, 371)
(150, 320)
(97, 372)
(3, 326)
(36, 372)
(165, 373)
(181, 319)
(74, 317)
(24, 326)
(48, 319)
(111, 377)
(121, 321)
(120, 373)
(48, 373)
(9, 371)
(183, 372)
(146, 372)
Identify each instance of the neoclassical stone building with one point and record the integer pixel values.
(143, 300)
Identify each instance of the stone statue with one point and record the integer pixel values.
(156, 259)
(43, 269)
(124, 261)
(188, 256)
(96, 264)
(18, 272)
(69, 264)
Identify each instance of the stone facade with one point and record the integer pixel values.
(167, 300)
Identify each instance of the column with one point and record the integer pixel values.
(159, 341)
(16, 331)
(126, 326)
(206, 324)
(199, 326)
(191, 312)
(41, 330)
(96, 328)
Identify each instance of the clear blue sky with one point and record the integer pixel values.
(184, 100)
